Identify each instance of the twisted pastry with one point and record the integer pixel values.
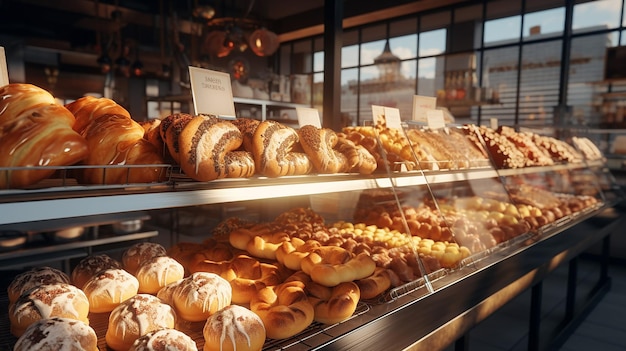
(273, 151)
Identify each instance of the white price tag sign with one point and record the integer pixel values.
(493, 122)
(308, 116)
(4, 71)
(211, 92)
(378, 113)
(435, 119)
(421, 104)
(392, 116)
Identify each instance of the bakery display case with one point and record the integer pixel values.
(440, 222)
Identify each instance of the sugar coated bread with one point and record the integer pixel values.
(157, 273)
(35, 277)
(200, 295)
(137, 316)
(234, 328)
(58, 334)
(134, 256)
(107, 289)
(164, 340)
(90, 266)
(46, 301)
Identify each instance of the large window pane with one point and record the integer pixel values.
(349, 94)
(543, 24)
(500, 75)
(318, 61)
(302, 57)
(596, 15)
(502, 30)
(370, 51)
(432, 43)
(405, 47)
(427, 84)
(318, 91)
(349, 56)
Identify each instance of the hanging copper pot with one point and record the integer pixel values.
(263, 42)
(214, 44)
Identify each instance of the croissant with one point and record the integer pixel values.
(88, 108)
(118, 140)
(35, 131)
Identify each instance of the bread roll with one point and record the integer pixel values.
(172, 133)
(207, 147)
(90, 266)
(164, 340)
(33, 278)
(200, 295)
(46, 301)
(274, 151)
(157, 273)
(134, 256)
(284, 309)
(58, 333)
(107, 289)
(137, 316)
(234, 328)
(35, 131)
(319, 144)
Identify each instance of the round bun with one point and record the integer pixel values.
(90, 266)
(164, 340)
(134, 256)
(107, 289)
(284, 309)
(139, 315)
(46, 301)
(234, 328)
(35, 277)
(157, 273)
(49, 334)
(200, 295)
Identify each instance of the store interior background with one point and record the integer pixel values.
(536, 64)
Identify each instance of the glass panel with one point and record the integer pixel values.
(318, 61)
(302, 58)
(318, 91)
(403, 27)
(587, 66)
(405, 47)
(602, 13)
(432, 43)
(349, 93)
(540, 77)
(350, 37)
(503, 8)
(544, 23)
(374, 33)
(503, 29)
(623, 42)
(349, 56)
(285, 60)
(427, 82)
(370, 51)
(499, 77)
(435, 21)
(467, 27)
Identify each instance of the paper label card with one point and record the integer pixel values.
(421, 104)
(435, 119)
(4, 71)
(493, 123)
(211, 92)
(308, 116)
(392, 116)
(378, 114)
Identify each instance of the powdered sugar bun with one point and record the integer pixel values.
(157, 273)
(46, 301)
(164, 340)
(90, 266)
(141, 252)
(35, 277)
(137, 316)
(109, 288)
(233, 328)
(200, 295)
(58, 334)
